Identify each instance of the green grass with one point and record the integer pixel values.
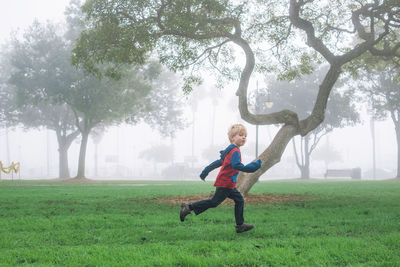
(48, 223)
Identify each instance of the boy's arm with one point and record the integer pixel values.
(237, 165)
(209, 168)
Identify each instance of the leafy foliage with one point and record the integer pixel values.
(39, 72)
(382, 89)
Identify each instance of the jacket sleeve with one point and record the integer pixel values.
(237, 165)
(209, 168)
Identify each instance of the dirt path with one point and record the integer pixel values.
(250, 199)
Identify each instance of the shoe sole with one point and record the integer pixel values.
(245, 230)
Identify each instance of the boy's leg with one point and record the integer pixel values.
(220, 195)
(239, 207)
(236, 196)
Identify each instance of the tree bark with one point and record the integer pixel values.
(63, 162)
(305, 171)
(64, 143)
(397, 129)
(269, 157)
(304, 165)
(82, 155)
(95, 160)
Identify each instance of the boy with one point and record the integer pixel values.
(226, 180)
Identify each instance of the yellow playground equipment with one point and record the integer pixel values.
(13, 168)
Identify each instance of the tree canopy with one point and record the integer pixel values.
(193, 33)
(36, 68)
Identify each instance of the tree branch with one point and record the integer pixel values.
(316, 141)
(312, 40)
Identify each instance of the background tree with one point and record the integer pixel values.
(164, 103)
(211, 152)
(188, 34)
(6, 92)
(97, 136)
(36, 68)
(7, 106)
(327, 154)
(381, 85)
(158, 154)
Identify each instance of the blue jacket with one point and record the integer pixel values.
(230, 159)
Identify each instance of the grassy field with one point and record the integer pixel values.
(347, 223)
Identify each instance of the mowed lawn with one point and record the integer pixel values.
(338, 223)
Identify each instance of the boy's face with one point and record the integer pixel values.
(239, 139)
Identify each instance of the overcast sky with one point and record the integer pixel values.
(19, 14)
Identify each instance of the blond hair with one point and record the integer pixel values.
(236, 129)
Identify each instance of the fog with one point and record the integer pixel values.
(118, 153)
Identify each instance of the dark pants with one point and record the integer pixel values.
(220, 195)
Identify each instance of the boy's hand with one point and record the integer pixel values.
(203, 176)
(259, 162)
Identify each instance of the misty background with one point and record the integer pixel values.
(208, 112)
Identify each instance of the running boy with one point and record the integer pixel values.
(226, 180)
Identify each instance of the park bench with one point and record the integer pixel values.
(354, 173)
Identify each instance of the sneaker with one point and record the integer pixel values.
(244, 227)
(185, 210)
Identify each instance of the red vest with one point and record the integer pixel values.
(224, 178)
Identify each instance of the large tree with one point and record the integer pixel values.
(36, 67)
(191, 33)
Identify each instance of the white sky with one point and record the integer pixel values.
(19, 14)
(354, 143)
